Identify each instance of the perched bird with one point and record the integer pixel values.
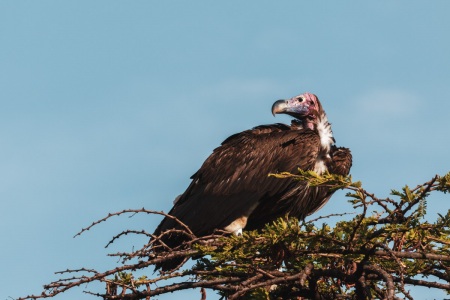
(232, 190)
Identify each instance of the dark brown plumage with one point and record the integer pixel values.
(232, 189)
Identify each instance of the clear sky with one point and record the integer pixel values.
(108, 105)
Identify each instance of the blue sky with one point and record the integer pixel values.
(108, 105)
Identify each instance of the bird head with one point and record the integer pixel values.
(305, 107)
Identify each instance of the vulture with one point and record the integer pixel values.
(232, 190)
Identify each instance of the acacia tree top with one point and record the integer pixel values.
(386, 247)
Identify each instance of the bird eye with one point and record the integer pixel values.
(300, 99)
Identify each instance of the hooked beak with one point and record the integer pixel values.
(279, 107)
(295, 107)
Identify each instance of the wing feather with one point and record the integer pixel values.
(234, 178)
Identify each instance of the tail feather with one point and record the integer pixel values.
(165, 241)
